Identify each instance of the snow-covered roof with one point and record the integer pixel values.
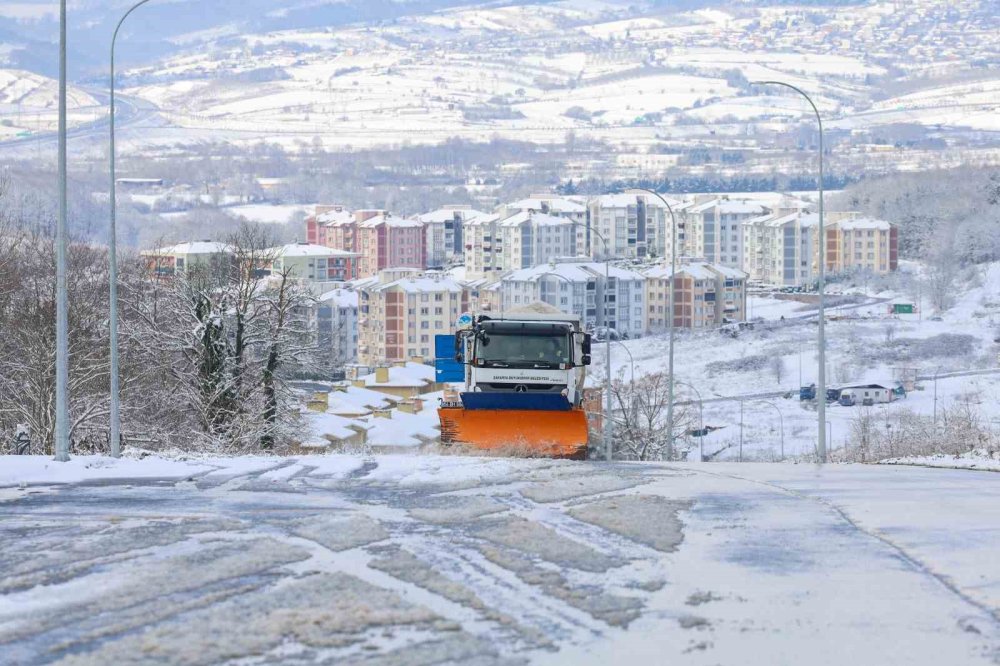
(195, 247)
(651, 199)
(332, 218)
(404, 429)
(772, 220)
(390, 221)
(343, 298)
(356, 400)
(423, 284)
(541, 219)
(704, 206)
(555, 204)
(742, 207)
(310, 250)
(581, 271)
(320, 424)
(483, 219)
(410, 374)
(699, 270)
(445, 214)
(864, 223)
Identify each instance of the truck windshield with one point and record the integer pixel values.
(503, 350)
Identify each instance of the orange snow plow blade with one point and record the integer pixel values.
(550, 434)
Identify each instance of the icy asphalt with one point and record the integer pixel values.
(448, 560)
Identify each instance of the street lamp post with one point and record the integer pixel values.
(937, 372)
(781, 423)
(701, 421)
(631, 363)
(61, 444)
(670, 325)
(115, 413)
(821, 380)
(608, 448)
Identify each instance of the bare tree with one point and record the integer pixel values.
(642, 431)
(777, 364)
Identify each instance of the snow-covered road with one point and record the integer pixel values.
(455, 560)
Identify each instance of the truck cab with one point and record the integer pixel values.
(532, 354)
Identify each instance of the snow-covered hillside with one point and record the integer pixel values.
(29, 103)
(535, 71)
(865, 345)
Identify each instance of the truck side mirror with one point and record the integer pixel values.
(586, 359)
(586, 346)
(458, 348)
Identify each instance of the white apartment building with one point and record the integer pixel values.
(401, 311)
(483, 247)
(529, 238)
(779, 249)
(446, 232)
(715, 230)
(337, 322)
(557, 206)
(579, 287)
(635, 225)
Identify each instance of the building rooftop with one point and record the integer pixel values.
(343, 297)
(409, 375)
(193, 247)
(575, 271)
(555, 204)
(541, 219)
(390, 221)
(699, 270)
(448, 213)
(423, 284)
(310, 250)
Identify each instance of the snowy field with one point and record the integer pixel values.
(454, 560)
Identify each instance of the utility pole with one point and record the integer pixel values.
(62, 306)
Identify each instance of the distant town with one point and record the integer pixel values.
(385, 285)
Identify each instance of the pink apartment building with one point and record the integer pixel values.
(385, 241)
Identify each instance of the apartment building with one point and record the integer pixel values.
(779, 248)
(334, 225)
(715, 228)
(483, 247)
(337, 323)
(445, 234)
(386, 241)
(855, 243)
(556, 206)
(579, 287)
(635, 225)
(184, 257)
(530, 238)
(316, 263)
(323, 217)
(705, 295)
(401, 311)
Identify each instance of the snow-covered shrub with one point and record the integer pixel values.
(876, 436)
(752, 363)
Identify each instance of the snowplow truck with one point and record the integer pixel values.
(524, 376)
